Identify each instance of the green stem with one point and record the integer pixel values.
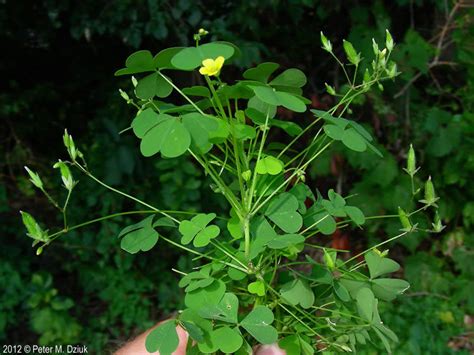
(123, 193)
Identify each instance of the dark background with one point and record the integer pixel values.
(57, 63)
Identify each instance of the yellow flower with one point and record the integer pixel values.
(212, 67)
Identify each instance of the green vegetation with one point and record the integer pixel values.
(429, 105)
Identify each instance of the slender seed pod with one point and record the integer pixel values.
(404, 220)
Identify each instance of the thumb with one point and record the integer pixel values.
(269, 350)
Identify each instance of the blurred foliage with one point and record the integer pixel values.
(58, 64)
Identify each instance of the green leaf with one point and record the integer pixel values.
(193, 330)
(139, 237)
(355, 214)
(201, 91)
(197, 228)
(282, 211)
(353, 140)
(163, 59)
(244, 132)
(290, 77)
(233, 225)
(276, 98)
(261, 106)
(204, 297)
(285, 241)
(190, 58)
(380, 266)
(291, 102)
(226, 310)
(163, 338)
(146, 120)
(200, 127)
(169, 137)
(257, 288)
(151, 86)
(291, 344)
(341, 292)
(365, 303)
(298, 292)
(227, 339)
(261, 72)
(269, 165)
(262, 233)
(389, 289)
(257, 323)
(235, 274)
(321, 220)
(333, 131)
(138, 62)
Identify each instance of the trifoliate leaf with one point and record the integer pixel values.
(139, 237)
(269, 165)
(261, 72)
(257, 323)
(282, 211)
(290, 77)
(298, 292)
(163, 338)
(225, 311)
(380, 266)
(257, 288)
(197, 228)
(151, 86)
(365, 303)
(169, 137)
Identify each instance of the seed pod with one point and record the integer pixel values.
(411, 168)
(39, 251)
(437, 225)
(329, 259)
(404, 220)
(430, 195)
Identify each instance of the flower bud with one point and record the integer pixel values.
(124, 95)
(34, 178)
(246, 175)
(70, 146)
(134, 81)
(66, 175)
(327, 46)
(388, 41)
(330, 89)
(202, 32)
(33, 228)
(375, 47)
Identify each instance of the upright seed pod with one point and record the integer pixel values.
(404, 219)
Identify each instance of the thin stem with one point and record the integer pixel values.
(89, 174)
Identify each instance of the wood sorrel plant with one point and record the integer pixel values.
(251, 283)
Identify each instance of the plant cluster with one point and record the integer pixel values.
(249, 283)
